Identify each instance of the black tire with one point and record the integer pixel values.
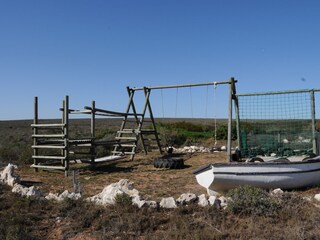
(280, 160)
(170, 163)
(256, 159)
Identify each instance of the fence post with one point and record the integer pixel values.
(313, 115)
(231, 87)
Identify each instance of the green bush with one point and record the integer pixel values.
(123, 200)
(248, 200)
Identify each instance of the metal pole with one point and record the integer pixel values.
(313, 116)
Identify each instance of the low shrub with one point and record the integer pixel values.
(123, 200)
(248, 200)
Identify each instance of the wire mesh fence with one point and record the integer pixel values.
(278, 123)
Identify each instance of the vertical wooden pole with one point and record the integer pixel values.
(93, 128)
(230, 120)
(152, 120)
(66, 134)
(313, 116)
(35, 131)
(236, 106)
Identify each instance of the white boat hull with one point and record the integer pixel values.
(293, 175)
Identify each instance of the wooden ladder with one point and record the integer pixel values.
(127, 138)
(51, 137)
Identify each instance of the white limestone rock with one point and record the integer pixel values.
(277, 192)
(108, 194)
(223, 148)
(223, 202)
(186, 198)
(317, 197)
(8, 177)
(26, 191)
(151, 204)
(202, 200)
(168, 203)
(53, 196)
(138, 201)
(214, 201)
(60, 197)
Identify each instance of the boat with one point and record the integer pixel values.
(219, 177)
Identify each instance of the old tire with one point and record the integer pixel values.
(170, 163)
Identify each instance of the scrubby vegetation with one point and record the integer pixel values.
(184, 133)
(252, 214)
(249, 217)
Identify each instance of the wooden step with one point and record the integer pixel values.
(48, 135)
(149, 132)
(48, 125)
(124, 145)
(48, 167)
(127, 131)
(47, 147)
(49, 157)
(125, 138)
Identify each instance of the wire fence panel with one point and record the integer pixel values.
(276, 124)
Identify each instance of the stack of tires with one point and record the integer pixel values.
(170, 163)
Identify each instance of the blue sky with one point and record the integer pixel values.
(92, 50)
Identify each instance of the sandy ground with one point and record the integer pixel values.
(153, 183)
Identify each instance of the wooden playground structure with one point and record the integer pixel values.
(55, 137)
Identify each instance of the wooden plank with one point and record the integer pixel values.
(125, 145)
(48, 167)
(47, 147)
(48, 157)
(112, 112)
(48, 135)
(47, 125)
(125, 138)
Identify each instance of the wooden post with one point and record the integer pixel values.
(236, 106)
(93, 135)
(35, 132)
(230, 119)
(66, 135)
(152, 119)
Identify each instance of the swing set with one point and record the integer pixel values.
(56, 136)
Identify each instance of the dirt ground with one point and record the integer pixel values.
(153, 183)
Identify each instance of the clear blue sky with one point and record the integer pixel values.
(92, 50)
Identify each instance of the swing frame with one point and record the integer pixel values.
(231, 97)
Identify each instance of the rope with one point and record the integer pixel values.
(162, 104)
(206, 110)
(176, 110)
(191, 102)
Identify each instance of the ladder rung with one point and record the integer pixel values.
(48, 157)
(53, 141)
(125, 138)
(48, 147)
(48, 135)
(126, 131)
(48, 125)
(126, 153)
(48, 167)
(147, 131)
(124, 145)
